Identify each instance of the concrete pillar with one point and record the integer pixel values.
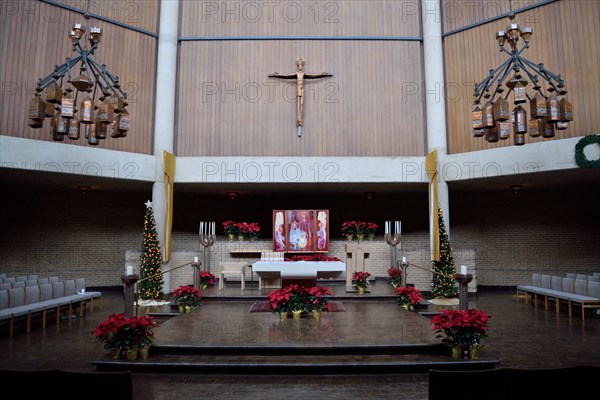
(435, 100)
(164, 122)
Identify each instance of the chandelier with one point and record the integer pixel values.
(549, 109)
(98, 93)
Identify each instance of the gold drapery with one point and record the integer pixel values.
(431, 167)
(169, 161)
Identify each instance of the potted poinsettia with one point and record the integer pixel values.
(361, 280)
(124, 336)
(280, 300)
(207, 279)
(317, 300)
(462, 330)
(187, 298)
(408, 297)
(395, 276)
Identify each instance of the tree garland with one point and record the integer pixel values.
(580, 157)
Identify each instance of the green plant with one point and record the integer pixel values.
(186, 295)
(361, 279)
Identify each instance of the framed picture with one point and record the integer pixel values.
(301, 231)
(279, 229)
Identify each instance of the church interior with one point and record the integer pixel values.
(464, 132)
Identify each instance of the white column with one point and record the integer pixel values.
(164, 120)
(435, 99)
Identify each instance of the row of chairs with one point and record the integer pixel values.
(48, 297)
(586, 277)
(12, 283)
(5, 278)
(583, 292)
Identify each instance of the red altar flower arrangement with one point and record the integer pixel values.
(299, 298)
(349, 228)
(316, 298)
(120, 332)
(250, 230)
(461, 327)
(395, 276)
(408, 297)
(312, 257)
(280, 299)
(186, 295)
(361, 279)
(356, 228)
(207, 279)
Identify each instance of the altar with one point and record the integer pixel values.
(276, 274)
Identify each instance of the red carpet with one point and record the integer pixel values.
(264, 306)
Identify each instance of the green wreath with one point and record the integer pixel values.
(580, 157)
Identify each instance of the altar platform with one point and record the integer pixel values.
(372, 335)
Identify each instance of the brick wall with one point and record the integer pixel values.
(501, 238)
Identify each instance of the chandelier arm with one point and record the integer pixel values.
(488, 82)
(59, 72)
(100, 72)
(550, 76)
(96, 70)
(532, 78)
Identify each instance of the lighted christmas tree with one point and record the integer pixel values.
(443, 285)
(150, 260)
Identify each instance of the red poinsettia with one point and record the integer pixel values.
(186, 295)
(118, 331)
(461, 327)
(408, 296)
(395, 276)
(361, 278)
(313, 257)
(207, 279)
(316, 298)
(280, 299)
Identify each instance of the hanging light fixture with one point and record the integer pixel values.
(549, 109)
(95, 90)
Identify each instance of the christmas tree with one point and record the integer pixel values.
(150, 259)
(444, 284)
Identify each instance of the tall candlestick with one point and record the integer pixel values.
(403, 259)
(201, 226)
(387, 228)
(129, 270)
(213, 228)
(397, 228)
(195, 259)
(463, 270)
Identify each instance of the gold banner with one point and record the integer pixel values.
(431, 164)
(169, 161)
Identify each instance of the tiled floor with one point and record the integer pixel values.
(521, 336)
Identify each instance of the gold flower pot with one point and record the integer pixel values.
(456, 351)
(349, 237)
(144, 352)
(131, 354)
(297, 314)
(360, 290)
(283, 315)
(231, 237)
(474, 352)
(316, 314)
(115, 353)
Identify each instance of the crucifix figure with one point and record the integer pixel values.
(299, 75)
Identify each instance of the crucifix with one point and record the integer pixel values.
(299, 75)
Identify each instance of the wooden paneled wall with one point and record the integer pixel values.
(34, 40)
(458, 14)
(372, 106)
(201, 18)
(565, 38)
(141, 14)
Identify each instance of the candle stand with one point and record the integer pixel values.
(463, 297)
(392, 239)
(129, 281)
(207, 239)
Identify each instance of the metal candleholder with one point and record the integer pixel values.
(207, 239)
(392, 239)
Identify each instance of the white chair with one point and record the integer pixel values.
(232, 268)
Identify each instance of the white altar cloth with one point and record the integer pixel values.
(299, 269)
